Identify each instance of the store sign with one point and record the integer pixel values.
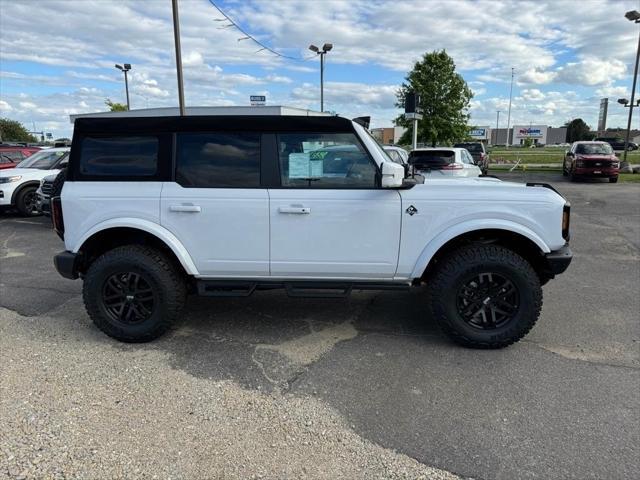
(478, 132)
(258, 100)
(529, 132)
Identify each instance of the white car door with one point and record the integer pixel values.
(329, 219)
(216, 206)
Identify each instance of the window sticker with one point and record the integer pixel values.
(306, 165)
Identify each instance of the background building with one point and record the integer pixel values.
(388, 135)
(541, 134)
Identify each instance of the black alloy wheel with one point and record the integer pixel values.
(487, 301)
(128, 297)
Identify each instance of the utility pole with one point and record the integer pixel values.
(509, 114)
(176, 36)
(497, 124)
(633, 16)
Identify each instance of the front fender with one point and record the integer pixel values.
(470, 226)
(152, 228)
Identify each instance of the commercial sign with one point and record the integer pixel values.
(529, 132)
(480, 133)
(602, 115)
(258, 100)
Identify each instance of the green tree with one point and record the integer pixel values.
(527, 142)
(13, 131)
(577, 130)
(444, 99)
(115, 107)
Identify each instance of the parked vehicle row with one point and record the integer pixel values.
(18, 185)
(618, 144)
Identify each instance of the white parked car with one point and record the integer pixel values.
(18, 185)
(155, 208)
(397, 154)
(439, 162)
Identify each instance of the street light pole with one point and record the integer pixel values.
(633, 16)
(509, 114)
(125, 67)
(325, 48)
(176, 36)
(497, 124)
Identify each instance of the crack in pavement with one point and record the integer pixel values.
(579, 354)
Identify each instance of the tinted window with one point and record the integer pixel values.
(472, 147)
(222, 160)
(325, 160)
(431, 158)
(119, 156)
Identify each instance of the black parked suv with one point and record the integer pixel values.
(617, 143)
(479, 154)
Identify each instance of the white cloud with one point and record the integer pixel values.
(592, 71)
(5, 107)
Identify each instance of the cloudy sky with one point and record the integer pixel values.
(57, 56)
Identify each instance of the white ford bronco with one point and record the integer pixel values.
(155, 208)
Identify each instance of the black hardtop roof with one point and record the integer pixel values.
(236, 123)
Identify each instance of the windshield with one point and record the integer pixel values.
(42, 160)
(432, 158)
(594, 149)
(472, 147)
(378, 146)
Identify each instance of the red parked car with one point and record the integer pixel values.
(591, 159)
(12, 155)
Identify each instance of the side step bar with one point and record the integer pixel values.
(308, 289)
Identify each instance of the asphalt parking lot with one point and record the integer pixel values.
(364, 387)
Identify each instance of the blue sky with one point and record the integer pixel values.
(57, 56)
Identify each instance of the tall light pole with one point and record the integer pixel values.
(325, 48)
(125, 69)
(633, 16)
(176, 37)
(497, 124)
(509, 114)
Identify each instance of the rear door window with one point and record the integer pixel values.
(121, 156)
(218, 160)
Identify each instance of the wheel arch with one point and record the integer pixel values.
(108, 235)
(21, 187)
(516, 237)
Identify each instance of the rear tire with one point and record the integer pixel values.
(564, 171)
(26, 201)
(134, 293)
(613, 179)
(485, 296)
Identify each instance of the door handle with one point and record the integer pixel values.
(295, 209)
(185, 208)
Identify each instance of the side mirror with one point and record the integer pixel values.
(392, 175)
(569, 154)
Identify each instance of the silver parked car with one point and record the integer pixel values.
(443, 162)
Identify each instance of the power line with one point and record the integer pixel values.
(248, 36)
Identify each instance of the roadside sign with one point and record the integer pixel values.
(258, 100)
(413, 116)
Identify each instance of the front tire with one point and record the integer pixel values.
(134, 293)
(485, 296)
(26, 202)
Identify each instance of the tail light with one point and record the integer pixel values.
(566, 216)
(452, 166)
(56, 216)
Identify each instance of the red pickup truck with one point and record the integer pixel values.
(591, 159)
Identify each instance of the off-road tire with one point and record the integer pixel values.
(163, 276)
(449, 277)
(613, 179)
(564, 171)
(21, 201)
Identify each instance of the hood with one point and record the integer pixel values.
(481, 189)
(26, 172)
